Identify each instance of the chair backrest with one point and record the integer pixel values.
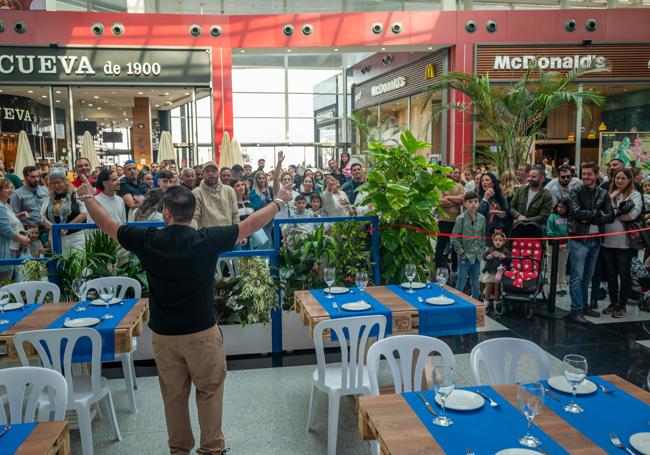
(226, 267)
(16, 380)
(120, 286)
(33, 291)
(62, 341)
(352, 334)
(407, 376)
(493, 355)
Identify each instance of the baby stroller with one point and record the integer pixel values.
(523, 283)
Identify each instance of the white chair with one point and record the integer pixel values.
(350, 377)
(83, 390)
(34, 291)
(41, 382)
(121, 285)
(493, 354)
(227, 266)
(407, 377)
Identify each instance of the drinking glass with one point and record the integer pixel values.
(442, 276)
(77, 286)
(329, 276)
(361, 280)
(531, 399)
(4, 299)
(410, 271)
(106, 294)
(443, 385)
(648, 380)
(575, 371)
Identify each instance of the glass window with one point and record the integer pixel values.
(301, 105)
(301, 130)
(258, 80)
(312, 80)
(254, 130)
(394, 113)
(203, 106)
(258, 105)
(204, 127)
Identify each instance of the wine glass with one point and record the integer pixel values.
(4, 299)
(443, 386)
(410, 271)
(442, 276)
(77, 287)
(361, 280)
(329, 276)
(106, 294)
(531, 399)
(575, 371)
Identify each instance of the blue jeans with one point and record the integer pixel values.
(472, 269)
(584, 256)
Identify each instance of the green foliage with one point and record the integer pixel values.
(404, 189)
(514, 115)
(32, 270)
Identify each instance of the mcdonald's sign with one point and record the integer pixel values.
(429, 72)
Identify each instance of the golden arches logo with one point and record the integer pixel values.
(429, 72)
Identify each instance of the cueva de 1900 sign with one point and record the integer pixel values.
(115, 66)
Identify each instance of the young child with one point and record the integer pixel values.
(495, 257)
(300, 210)
(35, 247)
(557, 226)
(316, 205)
(469, 249)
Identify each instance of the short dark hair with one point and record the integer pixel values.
(564, 168)
(237, 168)
(104, 174)
(316, 196)
(616, 159)
(165, 174)
(526, 166)
(539, 168)
(180, 202)
(300, 197)
(469, 196)
(356, 165)
(80, 159)
(591, 165)
(28, 170)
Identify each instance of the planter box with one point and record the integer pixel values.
(248, 339)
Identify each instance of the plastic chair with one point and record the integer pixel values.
(83, 390)
(350, 377)
(121, 286)
(407, 377)
(41, 381)
(35, 291)
(497, 350)
(226, 267)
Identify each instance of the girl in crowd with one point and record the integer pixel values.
(150, 209)
(617, 254)
(468, 180)
(508, 185)
(335, 201)
(558, 226)
(318, 180)
(493, 206)
(12, 236)
(346, 166)
(495, 256)
(308, 188)
(244, 207)
(146, 178)
(63, 207)
(259, 196)
(316, 203)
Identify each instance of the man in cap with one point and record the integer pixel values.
(216, 203)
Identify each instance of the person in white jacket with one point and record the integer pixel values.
(335, 201)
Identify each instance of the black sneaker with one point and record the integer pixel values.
(590, 312)
(579, 317)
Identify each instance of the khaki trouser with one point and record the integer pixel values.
(183, 360)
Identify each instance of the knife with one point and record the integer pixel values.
(551, 394)
(5, 430)
(427, 405)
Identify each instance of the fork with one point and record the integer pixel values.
(5, 429)
(618, 444)
(336, 307)
(605, 389)
(420, 299)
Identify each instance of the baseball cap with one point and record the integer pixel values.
(210, 164)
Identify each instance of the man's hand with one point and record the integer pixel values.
(24, 240)
(86, 188)
(280, 157)
(285, 193)
(521, 218)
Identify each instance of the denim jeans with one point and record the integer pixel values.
(472, 269)
(584, 256)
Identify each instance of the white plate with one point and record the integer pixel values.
(415, 284)
(462, 400)
(560, 383)
(338, 290)
(516, 452)
(13, 306)
(81, 322)
(99, 302)
(641, 442)
(440, 300)
(359, 305)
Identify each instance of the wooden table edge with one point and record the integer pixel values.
(47, 438)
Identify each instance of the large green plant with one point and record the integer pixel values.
(514, 115)
(404, 189)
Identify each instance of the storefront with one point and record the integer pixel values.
(620, 128)
(123, 97)
(398, 99)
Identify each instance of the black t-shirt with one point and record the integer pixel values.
(180, 262)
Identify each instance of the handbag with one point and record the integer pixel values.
(637, 240)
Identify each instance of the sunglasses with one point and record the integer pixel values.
(565, 177)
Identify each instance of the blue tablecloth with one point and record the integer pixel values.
(456, 319)
(12, 439)
(605, 413)
(354, 296)
(486, 430)
(106, 328)
(15, 316)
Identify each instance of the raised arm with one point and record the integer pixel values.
(100, 216)
(277, 173)
(260, 218)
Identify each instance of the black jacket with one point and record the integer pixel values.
(586, 207)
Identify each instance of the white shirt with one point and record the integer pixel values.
(113, 205)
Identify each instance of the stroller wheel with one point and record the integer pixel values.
(529, 310)
(499, 307)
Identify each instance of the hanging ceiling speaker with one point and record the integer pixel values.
(20, 27)
(591, 25)
(3, 27)
(288, 30)
(570, 25)
(97, 28)
(195, 30)
(307, 29)
(491, 26)
(215, 30)
(470, 26)
(377, 28)
(117, 29)
(396, 28)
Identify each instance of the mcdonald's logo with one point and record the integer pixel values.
(429, 72)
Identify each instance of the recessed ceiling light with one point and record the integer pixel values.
(157, 105)
(86, 119)
(43, 96)
(430, 48)
(242, 51)
(58, 101)
(96, 97)
(99, 108)
(383, 48)
(140, 93)
(187, 93)
(58, 92)
(90, 104)
(288, 50)
(106, 101)
(166, 93)
(336, 49)
(114, 93)
(168, 102)
(30, 91)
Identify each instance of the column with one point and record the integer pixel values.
(222, 95)
(141, 131)
(460, 128)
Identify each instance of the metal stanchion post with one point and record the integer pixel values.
(551, 311)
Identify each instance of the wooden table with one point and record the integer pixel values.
(130, 326)
(406, 318)
(390, 420)
(48, 438)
